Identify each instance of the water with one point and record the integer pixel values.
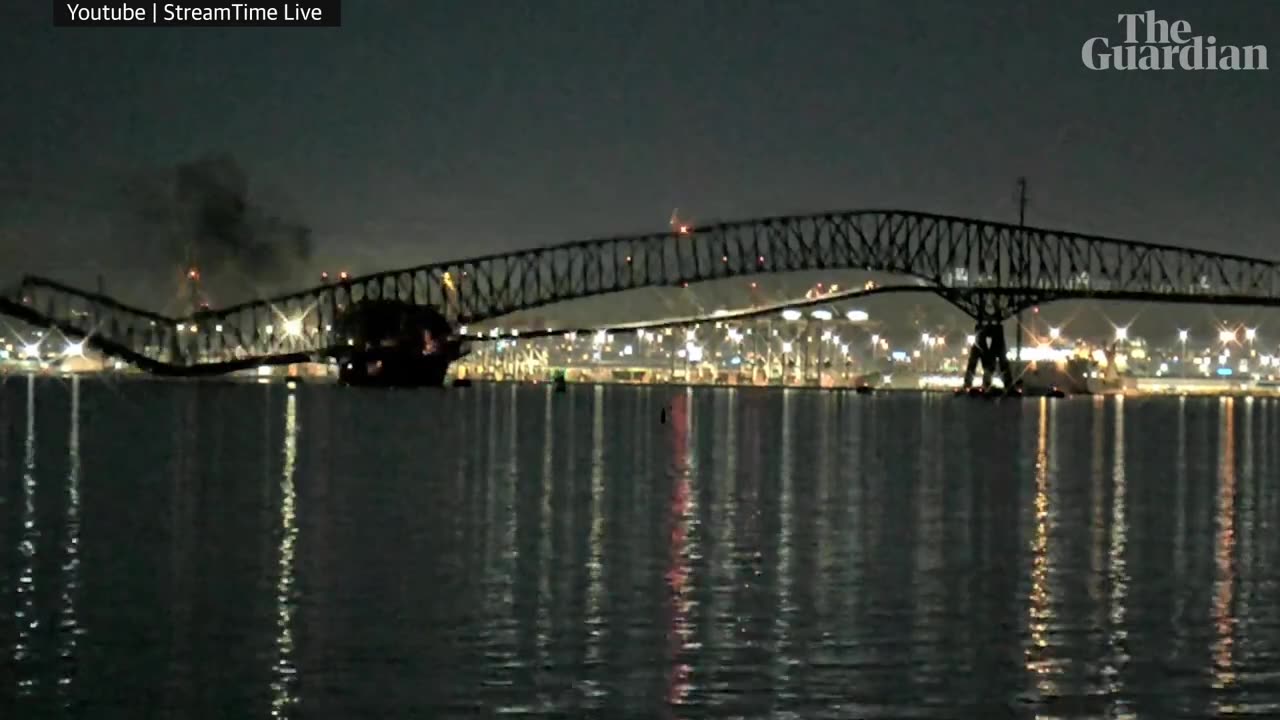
(233, 551)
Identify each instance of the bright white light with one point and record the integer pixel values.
(182, 328)
(875, 339)
(924, 338)
(601, 338)
(1226, 336)
(495, 332)
(1250, 333)
(821, 314)
(264, 370)
(786, 347)
(844, 349)
(217, 328)
(792, 315)
(1122, 333)
(74, 349)
(735, 335)
(693, 352)
(971, 339)
(857, 316)
(626, 350)
(1054, 333)
(570, 336)
(691, 335)
(293, 327)
(1041, 353)
(1183, 335)
(720, 313)
(31, 351)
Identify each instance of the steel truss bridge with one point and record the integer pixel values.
(990, 270)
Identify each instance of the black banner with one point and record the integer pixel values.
(199, 13)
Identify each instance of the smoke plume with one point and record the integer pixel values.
(203, 214)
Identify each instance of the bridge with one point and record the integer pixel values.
(989, 270)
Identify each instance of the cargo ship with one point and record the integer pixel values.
(386, 343)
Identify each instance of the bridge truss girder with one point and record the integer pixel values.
(988, 270)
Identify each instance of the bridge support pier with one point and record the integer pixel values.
(990, 351)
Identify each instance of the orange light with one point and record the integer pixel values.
(193, 273)
(343, 275)
(753, 285)
(684, 229)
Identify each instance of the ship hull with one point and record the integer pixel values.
(423, 371)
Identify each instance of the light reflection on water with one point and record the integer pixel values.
(204, 550)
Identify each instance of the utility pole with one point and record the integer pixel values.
(1022, 242)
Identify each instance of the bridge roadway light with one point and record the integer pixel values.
(293, 327)
(74, 349)
(791, 315)
(821, 314)
(857, 316)
(31, 350)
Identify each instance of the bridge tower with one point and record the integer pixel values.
(991, 352)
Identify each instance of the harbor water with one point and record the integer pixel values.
(224, 550)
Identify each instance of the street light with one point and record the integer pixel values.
(1122, 333)
(1182, 361)
(1250, 334)
(1225, 336)
(1054, 333)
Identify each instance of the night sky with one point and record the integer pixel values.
(424, 131)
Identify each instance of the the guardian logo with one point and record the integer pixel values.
(1154, 44)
